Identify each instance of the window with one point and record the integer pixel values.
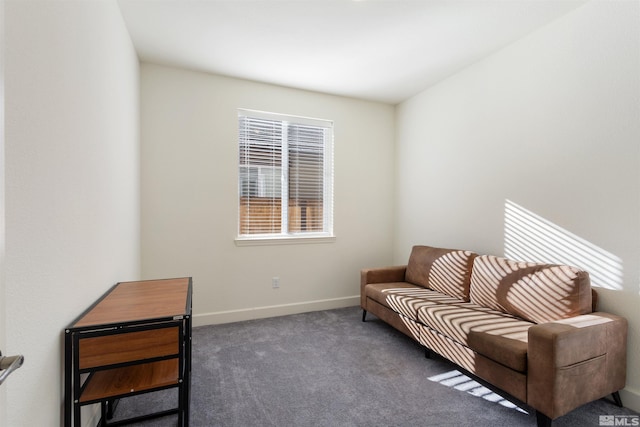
(285, 176)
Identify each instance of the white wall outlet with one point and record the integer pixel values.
(275, 282)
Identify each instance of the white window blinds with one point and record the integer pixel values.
(285, 176)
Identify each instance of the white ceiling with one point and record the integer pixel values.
(382, 50)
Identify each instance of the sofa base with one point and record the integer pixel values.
(617, 399)
(501, 377)
(506, 379)
(400, 323)
(542, 420)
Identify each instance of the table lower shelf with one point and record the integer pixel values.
(117, 382)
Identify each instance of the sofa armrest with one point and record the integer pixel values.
(575, 361)
(380, 275)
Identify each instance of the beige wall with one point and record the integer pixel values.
(189, 196)
(550, 124)
(72, 193)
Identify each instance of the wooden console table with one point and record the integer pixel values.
(135, 339)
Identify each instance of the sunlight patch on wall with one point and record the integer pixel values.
(529, 237)
(459, 381)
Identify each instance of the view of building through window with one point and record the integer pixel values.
(285, 175)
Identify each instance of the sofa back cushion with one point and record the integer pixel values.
(444, 270)
(535, 292)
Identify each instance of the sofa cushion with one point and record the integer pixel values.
(535, 292)
(376, 291)
(445, 270)
(407, 301)
(495, 335)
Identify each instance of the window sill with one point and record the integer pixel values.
(283, 240)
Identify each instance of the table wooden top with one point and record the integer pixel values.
(140, 300)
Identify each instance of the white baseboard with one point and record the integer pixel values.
(251, 313)
(630, 398)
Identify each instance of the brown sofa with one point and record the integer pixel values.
(528, 329)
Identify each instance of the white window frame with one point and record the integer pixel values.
(285, 237)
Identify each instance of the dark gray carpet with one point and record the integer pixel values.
(328, 368)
